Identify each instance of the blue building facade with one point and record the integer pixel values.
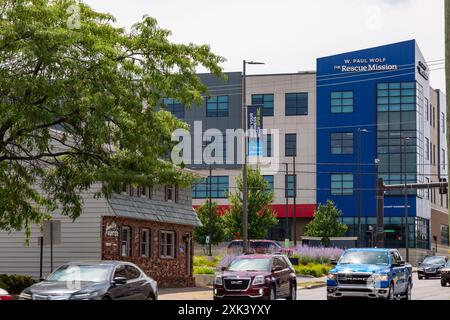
(378, 95)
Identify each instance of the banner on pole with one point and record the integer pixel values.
(255, 126)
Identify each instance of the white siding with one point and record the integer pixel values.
(80, 240)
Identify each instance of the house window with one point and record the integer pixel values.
(219, 188)
(126, 242)
(217, 106)
(175, 107)
(342, 102)
(444, 235)
(342, 184)
(167, 245)
(290, 186)
(290, 144)
(267, 101)
(297, 104)
(172, 194)
(342, 143)
(145, 243)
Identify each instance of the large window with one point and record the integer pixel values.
(342, 184)
(217, 106)
(444, 235)
(219, 188)
(297, 104)
(267, 101)
(175, 107)
(342, 102)
(290, 186)
(268, 145)
(290, 144)
(442, 122)
(269, 180)
(342, 143)
(167, 244)
(125, 241)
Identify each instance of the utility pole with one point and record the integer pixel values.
(286, 208)
(447, 77)
(210, 211)
(295, 204)
(405, 139)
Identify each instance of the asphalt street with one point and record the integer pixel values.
(429, 289)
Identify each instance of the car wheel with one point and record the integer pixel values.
(151, 297)
(408, 295)
(391, 295)
(107, 298)
(420, 278)
(443, 283)
(273, 293)
(293, 292)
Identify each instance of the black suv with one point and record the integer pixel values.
(431, 267)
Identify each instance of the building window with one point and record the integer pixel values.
(219, 188)
(290, 186)
(174, 106)
(427, 149)
(297, 104)
(342, 102)
(217, 106)
(171, 194)
(427, 111)
(342, 143)
(167, 245)
(442, 122)
(427, 191)
(444, 235)
(268, 146)
(342, 184)
(269, 180)
(442, 159)
(126, 242)
(290, 140)
(267, 101)
(145, 243)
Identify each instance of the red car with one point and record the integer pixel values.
(257, 276)
(4, 295)
(259, 246)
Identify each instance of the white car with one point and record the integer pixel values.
(4, 295)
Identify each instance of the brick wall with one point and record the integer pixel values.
(169, 273)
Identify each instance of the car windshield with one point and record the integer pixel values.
(90, 273)
(434, 260)
(364, 257)
(245, 264)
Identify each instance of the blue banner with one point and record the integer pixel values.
(255, 126)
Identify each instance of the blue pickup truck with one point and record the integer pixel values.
(370, 273)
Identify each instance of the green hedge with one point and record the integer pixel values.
(203, 261)
(15, 284)
(312, 269)
(204, 270)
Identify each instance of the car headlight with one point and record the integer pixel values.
(331, 276)
(87, 295)
(380, 277)
(258, 280)
(25, 296)
(218, 281)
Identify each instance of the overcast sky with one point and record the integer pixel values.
(288, 35)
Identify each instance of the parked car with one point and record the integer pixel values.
(102, 280)
(4, 295)
(370, 273)
(258, 246)
(431, 267)
(445, 275)
(257, 276)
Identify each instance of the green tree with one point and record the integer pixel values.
(205, 216)
(326, 223)
(260, 216)
(79, 104)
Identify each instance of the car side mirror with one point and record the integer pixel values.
(333, 262)
(400, 263)
(120, 280)
(223, 269)
(42, 279)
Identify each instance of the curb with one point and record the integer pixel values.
(314, 286)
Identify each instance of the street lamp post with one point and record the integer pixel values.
(244, 167)
(210, 212)
(359, 184)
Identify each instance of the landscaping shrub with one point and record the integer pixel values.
(15, 284)
(311, 269)
(204, 270)
(203, 261)
(320, 255)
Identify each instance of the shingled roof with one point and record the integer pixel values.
(153, 210)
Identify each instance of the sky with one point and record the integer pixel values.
(288, 35)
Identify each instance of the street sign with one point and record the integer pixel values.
(52, 229)
(207, 239)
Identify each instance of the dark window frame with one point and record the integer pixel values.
(341, 137)
(340, 192)
(339, 108)
(289, 150)
(213, 109)
(298, 109)
(267, 111)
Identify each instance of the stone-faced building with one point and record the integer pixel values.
(151, 227)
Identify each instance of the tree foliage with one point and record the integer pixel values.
(326, 223)
(80, 105)
(209, 215)
(260, 216)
